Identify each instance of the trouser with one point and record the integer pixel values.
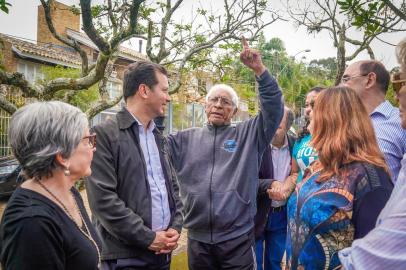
(161, 262)
(273, 240)
(234, 254)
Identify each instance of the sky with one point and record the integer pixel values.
(22, 22)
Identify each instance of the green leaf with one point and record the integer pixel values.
(3, 6)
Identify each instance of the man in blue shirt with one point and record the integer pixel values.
(370, 80)
(384, 246)
(133, 191)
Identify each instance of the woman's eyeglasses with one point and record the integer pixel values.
(91, 140)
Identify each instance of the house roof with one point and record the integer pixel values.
(44, 52)
(123, 52)
(62, 55)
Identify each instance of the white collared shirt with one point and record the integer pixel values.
(281, 162)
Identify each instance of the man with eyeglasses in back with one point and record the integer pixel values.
(370, 80)
(384, 246)
(217, 168)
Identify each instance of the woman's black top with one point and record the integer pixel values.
(35, 233)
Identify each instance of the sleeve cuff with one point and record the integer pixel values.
(263, 75)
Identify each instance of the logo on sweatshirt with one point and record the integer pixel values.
(230, 146)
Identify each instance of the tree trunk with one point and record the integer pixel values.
(340, 56)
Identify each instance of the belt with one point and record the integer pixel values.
(278, 209)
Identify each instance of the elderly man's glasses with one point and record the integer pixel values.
(397, 82)
(223, 101)
(347, 78)
(91, 140)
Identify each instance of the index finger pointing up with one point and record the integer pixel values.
(244, 42)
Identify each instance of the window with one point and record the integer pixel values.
(31, 71)
(114, 89)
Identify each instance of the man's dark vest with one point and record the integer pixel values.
(263, 201)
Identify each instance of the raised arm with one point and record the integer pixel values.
(270, 96)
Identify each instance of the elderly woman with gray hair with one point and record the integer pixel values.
(45, 225)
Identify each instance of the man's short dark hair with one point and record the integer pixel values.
(141, 72)
(382, 75)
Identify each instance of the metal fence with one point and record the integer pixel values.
(179, 116)
(5, 149)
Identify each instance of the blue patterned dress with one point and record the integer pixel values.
(320, 215)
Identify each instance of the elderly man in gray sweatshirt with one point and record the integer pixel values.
(217, 167)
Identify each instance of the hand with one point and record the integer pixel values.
(278, 191)
(172, 237)
(251, 58)
(160, 241)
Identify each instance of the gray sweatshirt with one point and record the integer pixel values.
(218, 169)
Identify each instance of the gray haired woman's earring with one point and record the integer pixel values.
(66, 172)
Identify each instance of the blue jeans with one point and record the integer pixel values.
(274, 238)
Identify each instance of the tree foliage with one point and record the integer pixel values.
(171, 40)
(294, 77)
(4, 5)
(373, 15)
(324, 15)
(325, 67)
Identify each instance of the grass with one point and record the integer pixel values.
(179, 262)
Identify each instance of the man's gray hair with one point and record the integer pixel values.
(227, 88)
(290, 117)
(40, 130)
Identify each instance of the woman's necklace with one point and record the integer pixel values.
(65, 209)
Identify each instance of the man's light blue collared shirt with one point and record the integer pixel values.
(384, 246)
(390, 135)
(160, 206)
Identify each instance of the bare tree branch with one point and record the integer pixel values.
(321, 15)
(103, 82)
(17, 79)
(397, 11)
(101, 106)
(132, 27)
(96, 74)
(168, 42)
(7, 105)
(149, 41)
(90, 30)
(111, 16)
